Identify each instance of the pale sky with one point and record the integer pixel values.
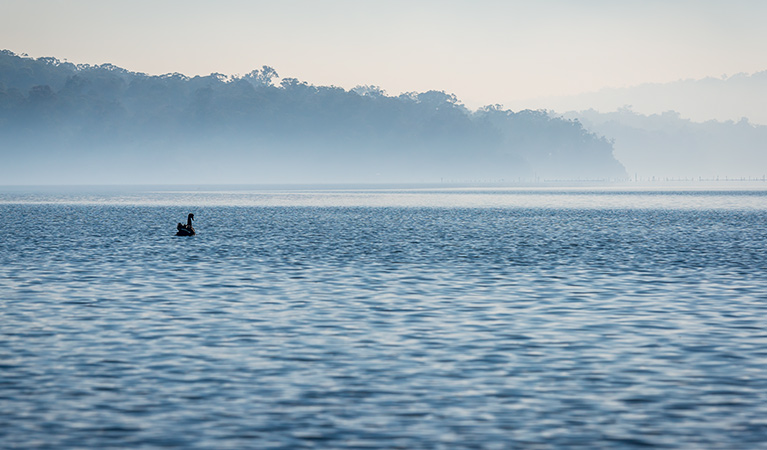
(485, 52)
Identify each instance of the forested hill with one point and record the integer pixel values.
(67, 123)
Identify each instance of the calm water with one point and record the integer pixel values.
(411, 319)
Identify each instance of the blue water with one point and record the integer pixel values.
(410, 319)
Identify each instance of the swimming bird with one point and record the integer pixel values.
(186, 230)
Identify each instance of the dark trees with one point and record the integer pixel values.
(252, 120)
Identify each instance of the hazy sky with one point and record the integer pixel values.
(483, 51)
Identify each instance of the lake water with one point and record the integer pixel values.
(485, 318)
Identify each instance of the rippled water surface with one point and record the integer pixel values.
(412, 319)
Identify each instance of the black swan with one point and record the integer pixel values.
(186, 230)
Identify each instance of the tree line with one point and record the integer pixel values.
(88, 113)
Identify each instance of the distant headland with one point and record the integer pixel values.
(72, 123)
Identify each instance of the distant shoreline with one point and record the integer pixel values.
(651, 182)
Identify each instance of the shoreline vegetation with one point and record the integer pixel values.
(66, 123)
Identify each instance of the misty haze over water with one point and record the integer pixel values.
(63, 123)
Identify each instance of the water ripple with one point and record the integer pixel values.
(382, 327)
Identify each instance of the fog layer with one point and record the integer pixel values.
(668, 145)
(723, 98)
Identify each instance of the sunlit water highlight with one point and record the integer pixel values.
(397, 318)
